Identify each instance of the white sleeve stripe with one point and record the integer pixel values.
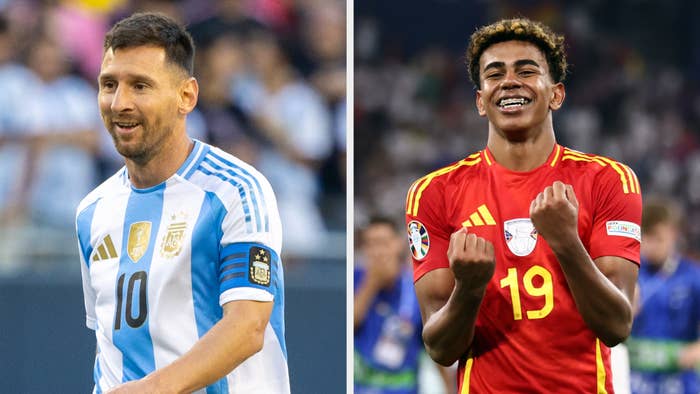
(245, 293)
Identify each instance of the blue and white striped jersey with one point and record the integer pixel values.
(158, 264)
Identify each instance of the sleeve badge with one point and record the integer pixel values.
(259, 263)
(418, 239)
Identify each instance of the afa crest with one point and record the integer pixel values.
(259, 264)
(172, 242)
(139, 238)
(521, 236)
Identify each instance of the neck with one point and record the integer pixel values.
(162, 164)
(524, 153)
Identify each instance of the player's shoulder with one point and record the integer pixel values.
(602, 168)
(110, 187)
(460, 169)
(217, 170)
(435, 182)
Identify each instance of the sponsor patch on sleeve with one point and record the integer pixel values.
(259, 266)
(622, 228)
(418, 239)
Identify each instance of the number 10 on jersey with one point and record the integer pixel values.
(545, 289)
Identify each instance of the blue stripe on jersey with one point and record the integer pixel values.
(196, 163)
(248, 190)
(206, 237)
(130, 330)
(196, 150)
(97, 375)
(239, 278)
(241, 193)
(241, 172)
(84, 224)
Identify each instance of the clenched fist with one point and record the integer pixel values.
(472, 259)
(554, 213)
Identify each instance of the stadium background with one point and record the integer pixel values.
(53, 148)
(633, 93)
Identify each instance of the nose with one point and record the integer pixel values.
(121, 100)
(510, 80)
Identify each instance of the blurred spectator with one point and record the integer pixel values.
(387, 318)
(664, 346)
(295, 123)
(60, 136)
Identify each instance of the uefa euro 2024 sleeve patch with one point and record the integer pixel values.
(259, 262)
(418, 239)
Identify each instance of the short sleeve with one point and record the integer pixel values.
(617, 216)
(428, 235)
(83, 222)
(249, 266)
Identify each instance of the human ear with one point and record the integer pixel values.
(187, 96)
(557, 97)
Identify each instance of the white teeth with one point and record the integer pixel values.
(513, 101)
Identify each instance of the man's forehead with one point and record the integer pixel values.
(139, 57)
(510, 52)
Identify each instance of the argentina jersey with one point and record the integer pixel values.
(159, 263)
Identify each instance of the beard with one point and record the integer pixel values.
(142, 146)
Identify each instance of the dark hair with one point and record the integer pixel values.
(519, 29)
(382, 220)
(659, 211)
(154, 29)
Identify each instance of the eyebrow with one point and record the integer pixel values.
(131, 77)
(518, 63)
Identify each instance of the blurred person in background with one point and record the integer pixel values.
(387, 319)
(526, 251)
(63, 135)
(295, 123)
(16, 79)
(664, 346)
(196, 229)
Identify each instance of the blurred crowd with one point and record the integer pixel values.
(632, 93)
(272, 92)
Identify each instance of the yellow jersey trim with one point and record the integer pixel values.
(486, 156)
(630, 183)
(600, 369)
(467, 372)
(416, 192)
(556, 155)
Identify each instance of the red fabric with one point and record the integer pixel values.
(556, 353)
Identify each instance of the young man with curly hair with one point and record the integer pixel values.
(525, 253)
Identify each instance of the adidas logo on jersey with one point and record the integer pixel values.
(105, 250)
(482, 217)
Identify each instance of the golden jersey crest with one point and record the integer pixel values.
(172, 240)
(259, 266)
(139, 238)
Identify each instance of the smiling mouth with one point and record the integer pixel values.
(126, 125)
(513, 102)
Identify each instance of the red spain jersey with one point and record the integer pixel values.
(529, 336)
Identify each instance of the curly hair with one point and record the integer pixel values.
(520, 29)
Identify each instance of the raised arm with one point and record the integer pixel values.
(450, 298)
(602, 289)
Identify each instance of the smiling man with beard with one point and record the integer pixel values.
(180, 249)
(525, 253)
